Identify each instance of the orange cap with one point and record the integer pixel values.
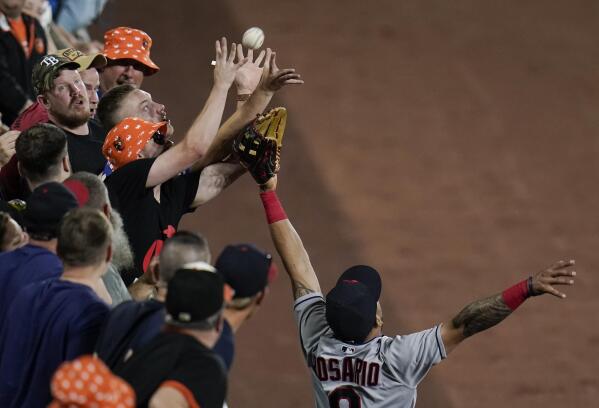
(124, 141)
(130, 43)
(85, 382)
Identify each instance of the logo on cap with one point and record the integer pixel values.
(49, 61)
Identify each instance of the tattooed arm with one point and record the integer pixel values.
(486, 313)
(292, 252)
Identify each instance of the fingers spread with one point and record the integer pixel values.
(562, 272)
(242, 62)
(240, 52)
(260, 57)
(223, 46)
(267, 60)
(219, 51)
(561, 280)
(551, 290)
(562, 264)
(232, 53)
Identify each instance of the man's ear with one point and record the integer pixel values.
(220, 324)
(44, 101)
(66, 164)
(109, 254)
(260, 296)
(106, 210)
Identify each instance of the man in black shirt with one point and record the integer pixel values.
(62, 92)
(147, 186)
(178, 367)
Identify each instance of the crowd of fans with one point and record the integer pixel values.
(103, 302)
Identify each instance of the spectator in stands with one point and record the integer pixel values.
(245, 269)
(88, 70)
(22, 46)
(84, 141)
(91, 193)
(76, 15)
(178, 367)
(37, 260)
(61, 91)
(56, 320)
(41, 156)
(248, 271)
(11, 234)
(131, 325)
(147, 173)
(63, 94)
(128, 53)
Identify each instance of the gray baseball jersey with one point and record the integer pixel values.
(381, 373)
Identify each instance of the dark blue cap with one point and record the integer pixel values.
(46, 206)
(366, 275)
(351, 304)
(246, 269)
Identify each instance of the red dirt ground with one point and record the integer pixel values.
(451, 144)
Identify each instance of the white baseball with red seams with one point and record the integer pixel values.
(253, 38)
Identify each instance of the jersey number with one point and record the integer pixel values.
(347, 394)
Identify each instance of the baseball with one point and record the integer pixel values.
(253, 38)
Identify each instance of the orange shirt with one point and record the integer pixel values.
(18, 29)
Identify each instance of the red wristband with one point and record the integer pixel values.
(272, 206)
(514, 296)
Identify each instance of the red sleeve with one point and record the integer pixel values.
(32, 116)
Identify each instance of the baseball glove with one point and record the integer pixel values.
(258, 145)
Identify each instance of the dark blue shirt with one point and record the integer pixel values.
(49, 322)
(21, 267)
(131, 325)
(225, 346)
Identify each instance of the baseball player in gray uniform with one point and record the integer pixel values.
(351, 362)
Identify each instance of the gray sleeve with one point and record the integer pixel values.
(115, 286)
(409, 357)
(311, 321)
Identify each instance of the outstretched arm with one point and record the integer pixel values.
(288, 243)
(271, 81)
(204, 128)
(214, 179)
(486, 313)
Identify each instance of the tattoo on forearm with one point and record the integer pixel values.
(299, 289)
(481, 315)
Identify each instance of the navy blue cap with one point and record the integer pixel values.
(351, 304)
(195, 293)
(46, 206)
(366, 275)
(246, 269)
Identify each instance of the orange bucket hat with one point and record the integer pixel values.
(124, 141)
(85, 382)
(130, 43)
